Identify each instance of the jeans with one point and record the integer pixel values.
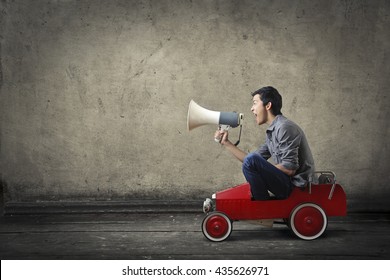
(263, 177)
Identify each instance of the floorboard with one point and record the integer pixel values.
(179, 236)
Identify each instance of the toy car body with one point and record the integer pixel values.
(305, 211)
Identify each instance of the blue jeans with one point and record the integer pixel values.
(263, 176)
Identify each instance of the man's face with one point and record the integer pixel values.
(259, 110)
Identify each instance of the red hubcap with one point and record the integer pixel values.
(308, 221)
(217, 226)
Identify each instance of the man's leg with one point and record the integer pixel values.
(263, 176)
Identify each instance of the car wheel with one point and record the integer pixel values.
(216, 226)
(308, 221)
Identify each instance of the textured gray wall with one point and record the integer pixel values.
(94, 94)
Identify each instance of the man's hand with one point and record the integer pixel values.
(286, 171)
(222, 136)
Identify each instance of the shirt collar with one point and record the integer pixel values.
(273, 124)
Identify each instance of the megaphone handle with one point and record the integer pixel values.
(222, 127)
(239, 137)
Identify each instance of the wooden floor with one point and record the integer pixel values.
(178, 236)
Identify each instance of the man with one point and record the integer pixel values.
(285, 143)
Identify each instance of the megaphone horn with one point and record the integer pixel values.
(198, 116)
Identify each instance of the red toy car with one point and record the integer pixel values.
(305, 211)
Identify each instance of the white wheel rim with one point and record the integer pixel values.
(220, 220)
(294, 227)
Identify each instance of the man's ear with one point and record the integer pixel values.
(268, 106)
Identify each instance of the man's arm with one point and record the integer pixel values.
(238, 153)
(289, 141)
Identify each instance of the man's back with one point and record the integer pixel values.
(287, 145)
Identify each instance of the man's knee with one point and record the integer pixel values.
(248, 161)
(252, 160)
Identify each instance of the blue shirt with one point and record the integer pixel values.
(287, 145)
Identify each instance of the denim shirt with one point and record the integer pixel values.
(287, 145)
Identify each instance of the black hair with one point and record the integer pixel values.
(270, 94)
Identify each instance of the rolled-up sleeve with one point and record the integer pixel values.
(289, 138)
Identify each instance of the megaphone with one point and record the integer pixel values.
(198, 116)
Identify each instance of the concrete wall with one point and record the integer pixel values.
(94, 94)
